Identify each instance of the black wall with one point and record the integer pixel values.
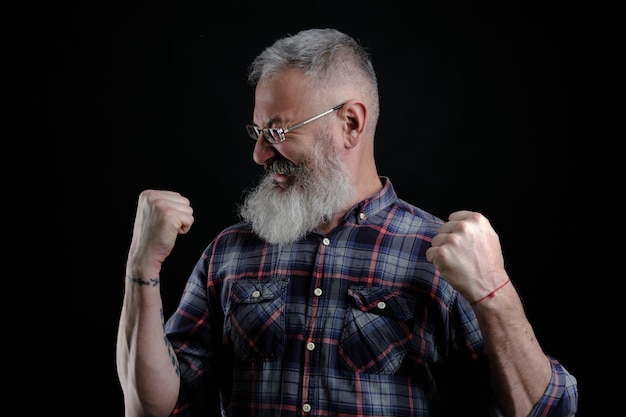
(477, 113)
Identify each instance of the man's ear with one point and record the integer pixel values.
(354, 116)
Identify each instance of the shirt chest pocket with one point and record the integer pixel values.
(255, 320)
(377, 329)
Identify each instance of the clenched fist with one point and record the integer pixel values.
(468, 254)
(161, 216)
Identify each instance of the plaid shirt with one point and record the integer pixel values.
(353, 323)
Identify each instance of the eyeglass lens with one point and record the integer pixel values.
(271, 135)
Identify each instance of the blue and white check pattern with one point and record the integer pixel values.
(356, 323)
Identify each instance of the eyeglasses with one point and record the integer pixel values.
(277, 135)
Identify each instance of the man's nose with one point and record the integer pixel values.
(263, 150)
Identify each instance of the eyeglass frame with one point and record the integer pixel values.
(268, 133)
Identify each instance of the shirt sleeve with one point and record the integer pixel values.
(194, 333)
(561, 397)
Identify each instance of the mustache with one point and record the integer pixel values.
(280, 166)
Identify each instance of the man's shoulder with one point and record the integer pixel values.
(411, 217)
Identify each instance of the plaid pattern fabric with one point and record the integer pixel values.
(356, 323)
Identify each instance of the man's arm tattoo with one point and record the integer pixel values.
(169, 347)
(153, 282)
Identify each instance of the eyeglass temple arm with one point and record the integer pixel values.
(314, 118)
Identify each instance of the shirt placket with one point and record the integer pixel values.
(310, 381)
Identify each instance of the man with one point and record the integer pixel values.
(332, 296)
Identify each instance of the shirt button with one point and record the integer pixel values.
(256, 294)
(381, 305)
(310, 346)
(361, 215)
(326, 241)
(306, 408)
(317, 291)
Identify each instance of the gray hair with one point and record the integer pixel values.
(327, 56)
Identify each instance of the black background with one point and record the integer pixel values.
(477, 112)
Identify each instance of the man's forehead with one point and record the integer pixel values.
(277, 101)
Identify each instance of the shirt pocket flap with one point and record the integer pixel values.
(383, 301)
(253, 291)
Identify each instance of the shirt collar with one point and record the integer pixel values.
(360, 212)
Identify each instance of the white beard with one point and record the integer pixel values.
(320, 189)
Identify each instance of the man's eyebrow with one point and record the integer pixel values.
(270, 122)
